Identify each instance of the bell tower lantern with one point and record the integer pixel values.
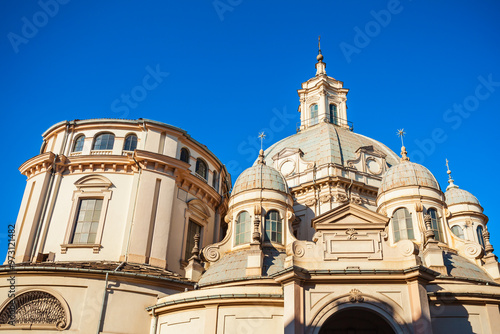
(322, 99)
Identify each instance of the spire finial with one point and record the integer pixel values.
(450, 179)
(320, 56)
(404, 157)
(260, 160)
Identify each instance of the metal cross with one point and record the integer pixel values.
(261, 136)
(401, 134)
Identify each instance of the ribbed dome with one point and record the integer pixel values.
(326, 143)
(407, 173)
(456, 195)
(260, 176)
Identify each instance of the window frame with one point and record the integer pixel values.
(407, 218)
(313, 109)
(247, 225)
(199, 213)
(436, 225)
(200, 161)
(188, 248)
(334, 118)
(88, 187)
(75, 142)
(278, 230)
(461, 230)
(102, 134)
(480, 237)
(125, 142)
(184, 149)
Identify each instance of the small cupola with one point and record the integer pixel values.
(323, 99)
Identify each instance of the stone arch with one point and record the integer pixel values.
(356, 300)
(35, 309)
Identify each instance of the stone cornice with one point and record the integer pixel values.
(333, 181)
(38, 164)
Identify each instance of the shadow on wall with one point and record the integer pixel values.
(449, 316)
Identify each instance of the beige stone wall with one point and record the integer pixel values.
(125, 301)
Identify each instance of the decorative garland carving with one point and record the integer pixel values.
(355, 296)
(35, 307)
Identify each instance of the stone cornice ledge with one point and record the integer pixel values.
(38, 164)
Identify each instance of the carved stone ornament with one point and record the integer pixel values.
(355, 296)
(310, 202)
(351, 234)
(342, 198)
(473, 250)
(211, 254)
(407, 248)
(298, 250)
(356, 200)
(325, 198)
(419, 207)
(35, 308)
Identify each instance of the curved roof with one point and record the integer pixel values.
(260, 176)
(459, 267)
(407, 174)
(327, 143)
(456, 195)
(232, 266)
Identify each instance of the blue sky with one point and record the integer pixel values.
(228, 69)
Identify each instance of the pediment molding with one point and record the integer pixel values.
(350, 215)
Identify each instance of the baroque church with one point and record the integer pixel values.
(133, 226)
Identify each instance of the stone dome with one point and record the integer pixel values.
(260, 176)
(405, 174)
(456, 195)
(326, 143)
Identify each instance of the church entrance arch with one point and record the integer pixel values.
(354, 320)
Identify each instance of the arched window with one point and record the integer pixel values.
(458, 231)
(104, 141)
(184, 155)
(273, 227)
(435, 225)
(78, 144)
(242, 229)
(314, 114)
(333, 114)
(480, 235)
(201, 168)
(130, 143)
(402, 225)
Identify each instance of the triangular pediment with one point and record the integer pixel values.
(350, 215)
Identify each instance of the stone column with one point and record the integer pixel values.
(293, 293)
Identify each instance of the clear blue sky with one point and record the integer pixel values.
(235, 65)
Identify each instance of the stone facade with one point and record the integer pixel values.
(328, 232)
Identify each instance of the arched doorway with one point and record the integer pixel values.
(356, 321)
